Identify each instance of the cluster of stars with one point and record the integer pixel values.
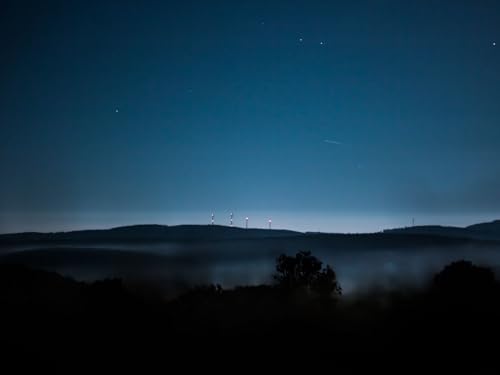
(321, 43)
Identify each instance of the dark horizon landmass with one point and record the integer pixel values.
(142, 298)
(173, 258)
(159, 232)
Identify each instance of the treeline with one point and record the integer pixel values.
(56, 323)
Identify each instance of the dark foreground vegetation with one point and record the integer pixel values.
(57, 324)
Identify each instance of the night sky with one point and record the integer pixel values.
(323, 115)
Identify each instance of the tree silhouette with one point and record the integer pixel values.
(465, 283)
(305, 271)
(464, 277)
(325, 282)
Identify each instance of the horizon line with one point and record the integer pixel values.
(240, 228)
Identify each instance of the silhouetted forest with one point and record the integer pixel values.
(54, 323)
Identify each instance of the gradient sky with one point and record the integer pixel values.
(327, 115)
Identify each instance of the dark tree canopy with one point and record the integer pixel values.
(305, 271)
(465, 278)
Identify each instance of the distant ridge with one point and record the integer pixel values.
(481, 231)
(149, 233)
(489, 231)
(489, 227)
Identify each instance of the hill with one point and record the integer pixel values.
(192, 254)
(481, 231)
(486, 230)
(147, 233)
(207, 233)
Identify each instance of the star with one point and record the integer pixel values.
(494, 44)
(301, 40)
(321, 43)
(116, 110)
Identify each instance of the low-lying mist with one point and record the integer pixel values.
(172, 268)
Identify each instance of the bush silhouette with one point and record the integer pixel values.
(464, 275)
(305, 271)
(465, 281)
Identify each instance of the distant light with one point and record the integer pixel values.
(116, 110)
(321, 43)
(300, 39)
(494, 44)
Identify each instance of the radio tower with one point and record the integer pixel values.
(213, 219)
(246, 222)
(270, 222)
(231, 220)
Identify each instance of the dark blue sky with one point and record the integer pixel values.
(115, 112)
